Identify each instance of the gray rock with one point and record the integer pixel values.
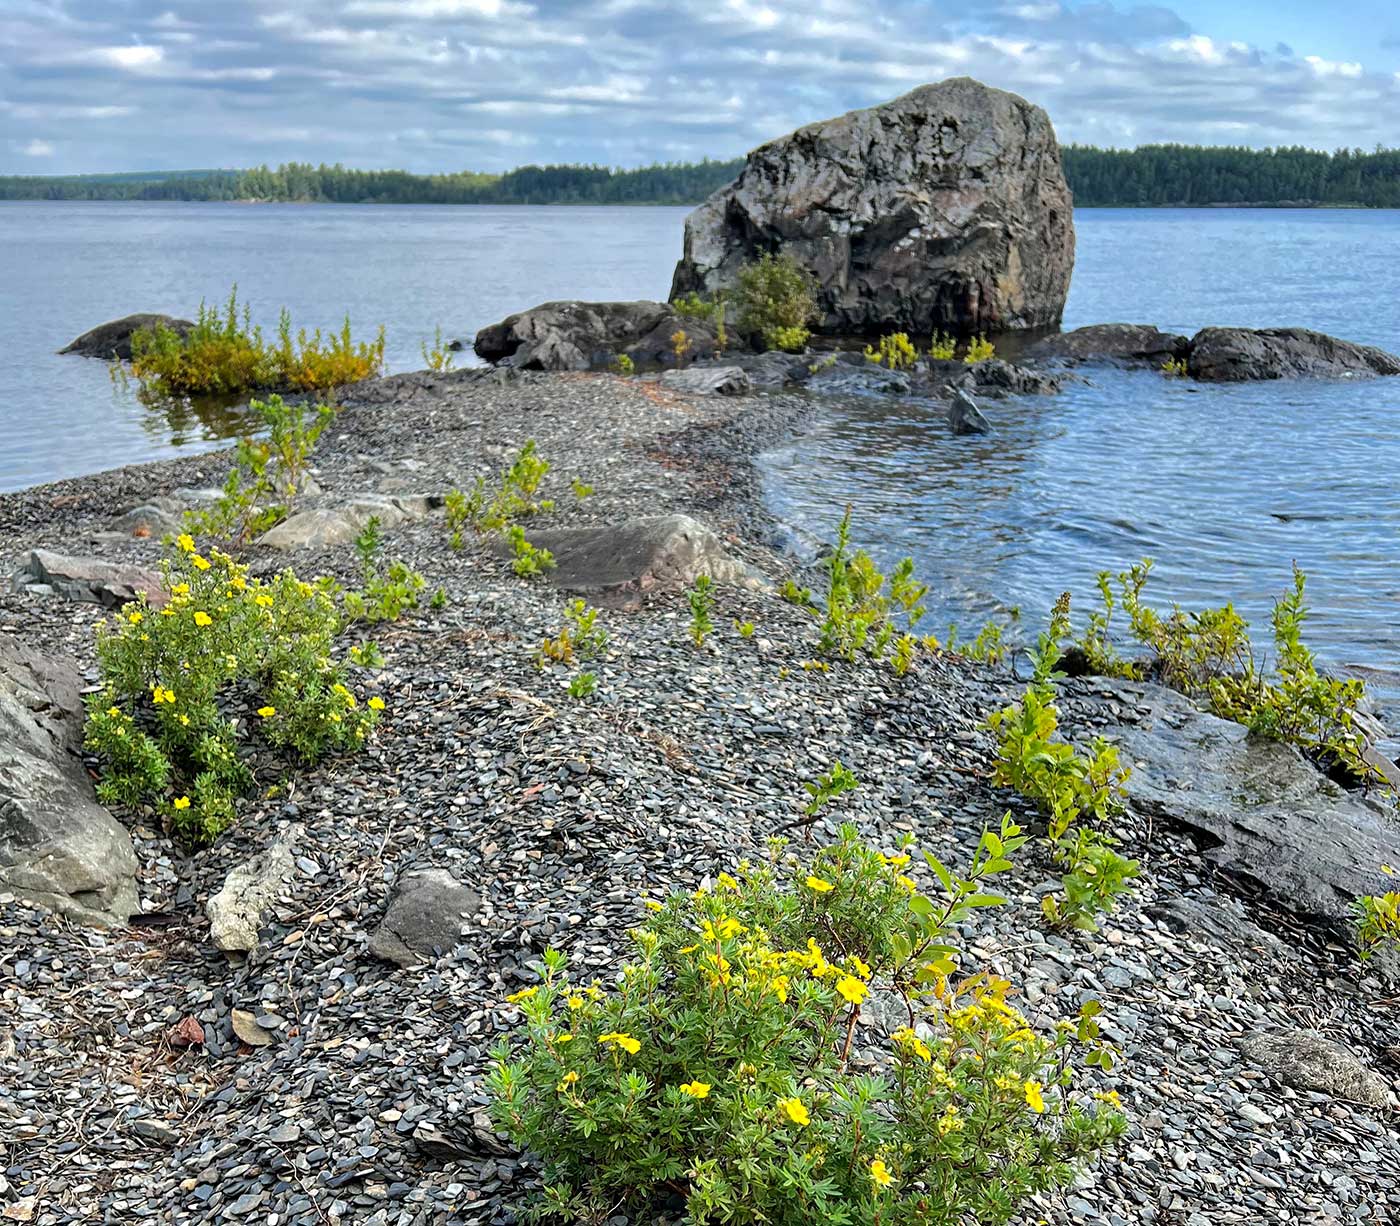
(659, 552)
(58, 847)
(1306, 1060)
(708, 380)
(590, 335)
(153, 519)
(844, 379)
(1261, 811)
(944, 209)
(323, 527)
(1236, 354)
(997, 378)
(1110, 345)
(88, 580)
(773, 368)
(424, 918)
(235, 912)
(964, 417)
(113, 339)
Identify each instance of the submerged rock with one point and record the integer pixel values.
(1238, 354)
(58, 847)
(964, 417)
(113, 339)
(590, 336)
(424, 918)
(87, 580)
(661, 552)
(944, 209)
(1261, 812)
(1112, 345)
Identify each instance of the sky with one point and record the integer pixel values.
(441, 85)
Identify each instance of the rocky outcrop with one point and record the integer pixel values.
(708, 380)
(865, 379)
(235, 912)
(113, 339)
(964, 417)
(999, 379)
(58, 847)
(1261, 812)
(591, 335)
(1110, 345)
(87, 580)
(944, 209)
(1221, 355)
(424, 918)
(665, 552)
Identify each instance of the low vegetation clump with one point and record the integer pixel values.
(1207, 654)
(227, 660)
(438, 356)
(1174, 368)
(979, 349)
(863, 611)
(1377, 919)
(777, 301)
(267, 473)
(388, 592)
(1077, 791)
(717, 1069)
(579, 638)
(225, 355)
(895, 351)
(942, 347)
(988, 646)
(513, 497)
(713, 311)
(701, 599)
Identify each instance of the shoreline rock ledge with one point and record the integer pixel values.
(944, 209)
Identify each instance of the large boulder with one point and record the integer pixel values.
(1222, 355)
(1262, 813)
(113, 339)
(591, 335)
(87, 580)
(944, 209)
(1111, 345)
(58, 847)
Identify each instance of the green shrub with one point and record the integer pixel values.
(827, 787)
(988, 647)
(1174, 368)
(1377, 919)
(438, 357)
(701, 599)
(387, 592)
(580, 637)
(895, 351)
(583, 686)
(942, 347)
(224, 354)
(172, 679)
(777, 301)
(979, 349)
(528, 561)
(680, 346)
(623, 365)
(717, 1069)
(266, 474)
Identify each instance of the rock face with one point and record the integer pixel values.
(1111, 344)
(1262, 812)
(1306, 1060)
(944, 209)
(235, 912)
(424, 917)
(590, 336)
(1237, 354)
(58, 847)
(654, 552)
(89, 580)
(113, 339)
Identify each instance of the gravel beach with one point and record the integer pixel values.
(360, 1098)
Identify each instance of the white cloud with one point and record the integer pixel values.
(1332, 68)
(38, 149)
(135, 57)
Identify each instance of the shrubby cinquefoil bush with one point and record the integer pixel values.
(717, 1072)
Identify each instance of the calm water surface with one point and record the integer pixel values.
(1222, 486)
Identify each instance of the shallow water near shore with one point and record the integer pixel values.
(1222, 486)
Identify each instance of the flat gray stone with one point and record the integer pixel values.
(235, 912)
(59, 848)
(1306, 1060)
(708, 381)
(424, 918)
(87, 580)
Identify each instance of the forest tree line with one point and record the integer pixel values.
(1151, 175)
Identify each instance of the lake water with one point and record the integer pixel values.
(1222, 486)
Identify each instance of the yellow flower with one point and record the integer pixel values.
(185, 541)
(727, 882)
(880, 1173)
(182, 802)
(907, 882)
(263, 600)
(625, 1041)
(575, 1002)
(567, 1080)
(652, 905)
(376, 703)
(267, 712)
(202, 618)
(160, 694)
(180, 589)
(238, 583)
(1033, 1096)
(523, 994)
(134, 617)
(201, 562)
(905, 1037)
(696, 1089)
(794, 1109)
(895, 861)
(563, 1038)
(1387, 870)
(114, 710)
(779, 984)
(184, 720)
(859, 967)
(817, 885)
(851, 988)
